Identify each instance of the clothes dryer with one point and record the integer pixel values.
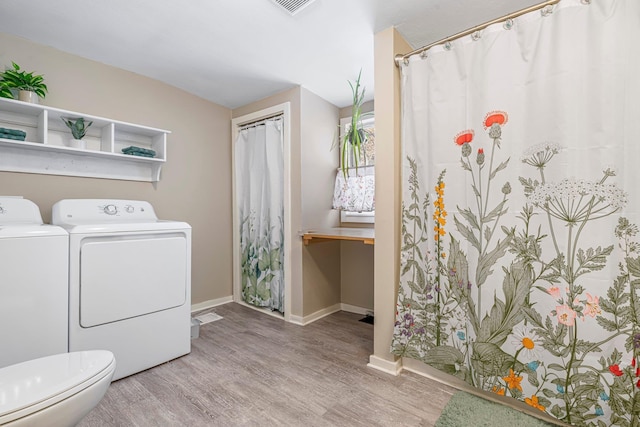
(129, 281)
(33, 284)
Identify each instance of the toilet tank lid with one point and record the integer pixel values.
(28, 383)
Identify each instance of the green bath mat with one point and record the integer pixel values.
(464, 410)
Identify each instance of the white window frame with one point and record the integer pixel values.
(353, 216)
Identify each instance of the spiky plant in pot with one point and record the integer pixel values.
(78, 126)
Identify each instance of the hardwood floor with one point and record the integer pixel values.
(251, 369)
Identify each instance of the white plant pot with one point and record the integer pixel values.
(77, 143)
(28, 96)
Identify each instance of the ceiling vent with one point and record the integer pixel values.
(293, 6)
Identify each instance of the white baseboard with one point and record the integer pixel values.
(305, 320)
(355, 309)
(296, 320)
(393, 368)
(210, 304)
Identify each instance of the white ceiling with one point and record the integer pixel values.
(234, 52)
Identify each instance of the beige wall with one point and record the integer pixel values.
(320, 262)
(195, 184)
(387, 44)
(356, 259)
(356, 274)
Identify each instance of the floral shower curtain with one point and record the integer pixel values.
(260, 197)
(520, 261)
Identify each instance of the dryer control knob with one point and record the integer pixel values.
(110, 209)
(129, 209)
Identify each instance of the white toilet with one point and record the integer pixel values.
(54, 391)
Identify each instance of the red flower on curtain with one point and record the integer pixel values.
(615, 370)
(499, 117)
(463, 137)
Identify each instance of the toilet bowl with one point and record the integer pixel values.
(54, 391)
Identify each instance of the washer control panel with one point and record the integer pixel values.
(16, 210)
(75, 211)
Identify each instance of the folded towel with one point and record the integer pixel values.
(140, 154)
(11, 136)
(13, 132)
(139, 150)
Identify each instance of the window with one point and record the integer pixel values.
(365, 167)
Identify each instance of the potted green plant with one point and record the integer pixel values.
(30, 86)
(78, 128)
(354, 136)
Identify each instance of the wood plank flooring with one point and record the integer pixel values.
(251, 369)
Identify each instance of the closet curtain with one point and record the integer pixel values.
(520, 260)
(260, 198)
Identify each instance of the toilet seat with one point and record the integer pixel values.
(31, 386)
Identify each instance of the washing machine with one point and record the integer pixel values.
(129, 281)
(33, 284)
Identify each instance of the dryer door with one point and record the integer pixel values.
(127, 276)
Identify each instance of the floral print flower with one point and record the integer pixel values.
(495, 117)
(480, 157)
(539, 155)
(577, 200)
(464, 137)
(591, 306)
(439, 214)
(566, 315)
(526, 343)
(533, 401)
(494, 122)
(513, 381)
(534, 365)
(615, 370)
(498, 390)
(554, 291)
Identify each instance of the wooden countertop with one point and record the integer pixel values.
(364, 235)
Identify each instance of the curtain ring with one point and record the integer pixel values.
(447, 46)
(508, 24)
(547, 10)
(423, 54)
(475, 36)
(587, 2)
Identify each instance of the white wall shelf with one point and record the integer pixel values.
(45, 149)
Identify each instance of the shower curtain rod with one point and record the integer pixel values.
(260, 121)
(402, 57)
